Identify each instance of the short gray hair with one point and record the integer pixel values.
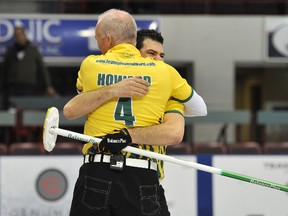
(119, 24)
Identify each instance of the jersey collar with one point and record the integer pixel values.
(125, 48)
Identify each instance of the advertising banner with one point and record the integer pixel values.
(238, 198)
(180, 185)
(43, 186)
(276, 38)
(37, 185)
(59, 37)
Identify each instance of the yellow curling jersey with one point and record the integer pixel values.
(120, 62)
(171, 107)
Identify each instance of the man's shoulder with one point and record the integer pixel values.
(165, 65)
(33, 48)
(92, 58)
(10, 48)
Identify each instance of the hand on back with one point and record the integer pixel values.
(130, 87)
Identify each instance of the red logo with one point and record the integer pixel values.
(51, 185)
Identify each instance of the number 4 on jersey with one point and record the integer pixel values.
(123, 111)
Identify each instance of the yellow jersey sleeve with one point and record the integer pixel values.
(181, 90)
(79, 82)
(174, 106)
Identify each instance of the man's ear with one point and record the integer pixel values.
(110, 40)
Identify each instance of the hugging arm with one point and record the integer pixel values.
(84, 103)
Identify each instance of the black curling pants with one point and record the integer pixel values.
(100, 191)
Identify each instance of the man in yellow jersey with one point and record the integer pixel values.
(122, 199)
(150, 44)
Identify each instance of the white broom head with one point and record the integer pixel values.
(51, 121)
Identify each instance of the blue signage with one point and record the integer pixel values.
(59, 37)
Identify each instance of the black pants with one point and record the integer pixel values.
(100, 191)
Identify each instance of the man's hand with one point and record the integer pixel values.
(130, 87)
(114, 143)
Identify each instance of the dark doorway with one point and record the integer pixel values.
(257, 88)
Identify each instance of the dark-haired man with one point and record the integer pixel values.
(150, 43)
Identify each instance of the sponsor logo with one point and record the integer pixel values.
(51, 185)
(280, 40)
(116, 140)
(58, 36)
(276, 165)
(83, 139)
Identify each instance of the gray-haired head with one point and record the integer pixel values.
(120, 25)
